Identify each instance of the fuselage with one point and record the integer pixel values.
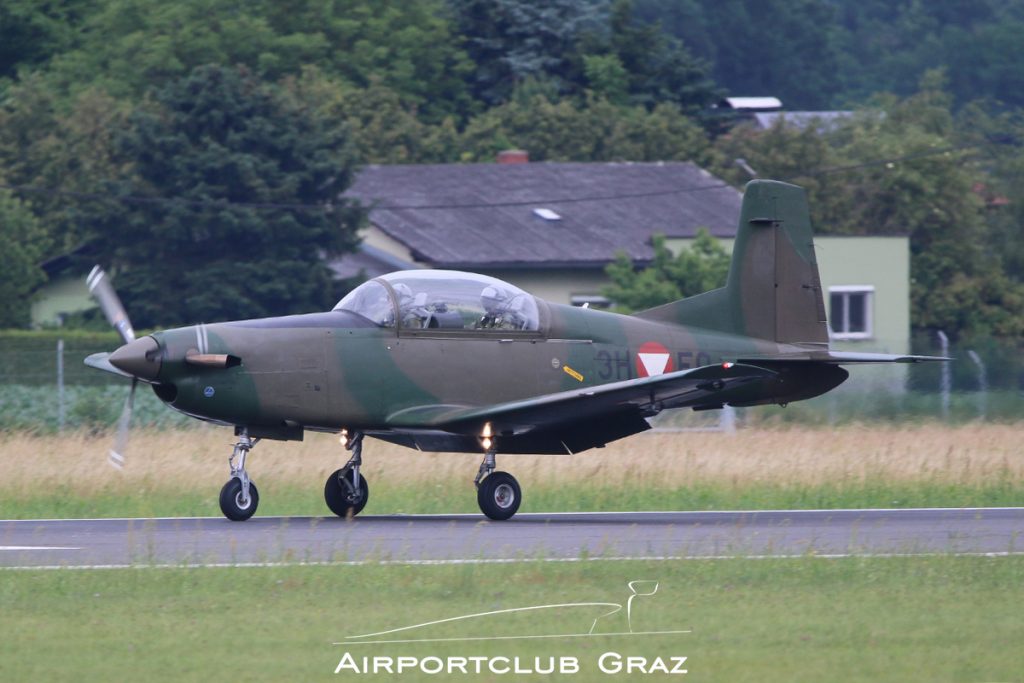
(334, 370)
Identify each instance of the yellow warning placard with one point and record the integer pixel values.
(572, 373)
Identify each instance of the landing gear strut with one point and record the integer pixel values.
(497, 493)
(239, 497)
(346, 490)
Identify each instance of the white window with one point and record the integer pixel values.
(851, 311)
(591, 301)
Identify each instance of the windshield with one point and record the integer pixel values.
(444, 299)
(372, 301)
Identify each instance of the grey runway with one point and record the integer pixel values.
(471, 538)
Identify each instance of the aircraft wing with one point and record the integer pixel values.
(675, 389)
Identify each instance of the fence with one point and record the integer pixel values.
(46, 386)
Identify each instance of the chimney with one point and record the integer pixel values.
(513, 156)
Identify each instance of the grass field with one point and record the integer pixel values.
(804, 619)
(938, 618)
(181, 472)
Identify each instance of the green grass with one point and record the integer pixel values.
(806, 619)
(96, 408)
(459, 497)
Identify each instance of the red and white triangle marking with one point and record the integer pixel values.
(653, 359)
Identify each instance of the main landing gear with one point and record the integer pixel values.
(346, 490)
(497, 493)
(239, 497)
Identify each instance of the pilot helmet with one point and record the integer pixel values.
(403, 293)
(492, 297)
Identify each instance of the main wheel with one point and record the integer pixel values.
(231, 500)
(341, 498)
(498, 495)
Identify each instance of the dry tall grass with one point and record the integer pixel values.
(182, 460)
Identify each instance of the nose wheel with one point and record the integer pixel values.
(234, 504)
(239, 497)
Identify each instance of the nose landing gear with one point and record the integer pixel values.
(239, 497)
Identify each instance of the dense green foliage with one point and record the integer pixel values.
(24, 243)
(215, 105)
(822, 54)
(701, 267)
(913, 168)
(227, 149)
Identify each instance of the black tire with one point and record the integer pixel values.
(341, 499)
(230, 500)
(499, 495)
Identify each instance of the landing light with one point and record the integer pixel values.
(343, 437)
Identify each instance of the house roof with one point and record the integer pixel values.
(801, 120)
(751, 103)
(473, 215)
(368, 262)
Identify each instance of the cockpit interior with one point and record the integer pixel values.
(443, 300)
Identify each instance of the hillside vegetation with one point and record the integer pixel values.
(213, 138)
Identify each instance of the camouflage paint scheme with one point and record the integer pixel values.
(572, 384)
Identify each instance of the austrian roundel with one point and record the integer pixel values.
(653, 359)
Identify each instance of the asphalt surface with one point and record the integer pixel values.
(471, 538)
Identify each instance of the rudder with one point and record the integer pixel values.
(773, 290)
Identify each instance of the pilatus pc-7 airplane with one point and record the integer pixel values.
(449, 361)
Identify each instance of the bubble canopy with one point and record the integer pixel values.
(443, 300)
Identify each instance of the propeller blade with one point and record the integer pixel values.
(103, 291)
(116, 455)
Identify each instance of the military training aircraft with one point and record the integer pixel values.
(449, 361)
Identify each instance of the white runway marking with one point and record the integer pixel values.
(477, 515)
(469, 539)
(501, 560)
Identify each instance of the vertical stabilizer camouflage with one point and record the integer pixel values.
(773, 291)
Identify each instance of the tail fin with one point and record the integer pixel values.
(773, 291)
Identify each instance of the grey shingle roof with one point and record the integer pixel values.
(825, 121)
(456, 224)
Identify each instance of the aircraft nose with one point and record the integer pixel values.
(140, 358)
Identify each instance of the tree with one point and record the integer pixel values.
(25, 242)
(596, 130)
(595, 45)
(128, 46)
(701, 267)
(658, 68)
(231, 155)
(904, 168)
(383, 130)
(32, 31)
(512, 40)
(784, 48)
